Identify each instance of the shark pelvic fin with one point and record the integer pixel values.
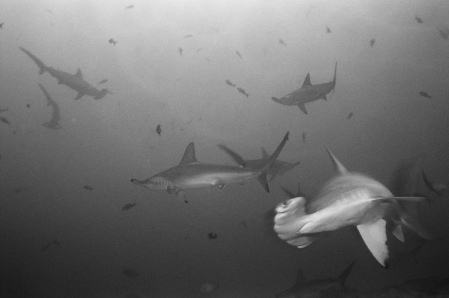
(79, 95)
(302, 108)
(189, 155)
(264, 153)
(337, 164)
(344, 275)
(375, 237)
(306, 81)
(79, 74)
(300, 277)
(398, 233)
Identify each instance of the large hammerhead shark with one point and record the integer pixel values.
(75, 82)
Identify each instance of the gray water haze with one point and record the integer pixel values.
(68, 226)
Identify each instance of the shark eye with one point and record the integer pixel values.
(285, 203)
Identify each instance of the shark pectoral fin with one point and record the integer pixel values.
(303, 108)
(375, 237)
(398, 233)
(262, 178)
(79, 95)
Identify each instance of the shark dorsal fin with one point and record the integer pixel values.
(307, 81)
(189, 155)
(78, 73)
(337, 164)
(264, 153)
(300, 277)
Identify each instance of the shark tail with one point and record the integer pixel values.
(344, 275)
(334, 82)
(40, 64)
(262, 171)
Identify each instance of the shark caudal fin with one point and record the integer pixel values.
(262, 171)
(334, 82)
(40, 64)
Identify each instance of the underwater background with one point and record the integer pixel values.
(66, 226)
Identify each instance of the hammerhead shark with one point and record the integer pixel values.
(192, 174)
(307, 93)
(329, 287)
(75, 82)
(278, 168)
(347, 199)
(54, 121)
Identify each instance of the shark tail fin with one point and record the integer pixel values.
(334, 82)
(262, 171)
(344, 275)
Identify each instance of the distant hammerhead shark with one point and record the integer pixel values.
(347, 199)
(192, 174)
(75, 82)
(54, 121)
(307, 93)
(329, 287)
(278, 168)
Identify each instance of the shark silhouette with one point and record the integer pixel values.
(192, 174)
(329, 287)
(348, 199)
(54, 121)
(307, 93)
(75, 82)
(277, 169)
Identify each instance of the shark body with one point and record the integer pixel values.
(348, 199)
(75, 82)
(277, 169)
(329, 287)
(192, 174)
(307, 93)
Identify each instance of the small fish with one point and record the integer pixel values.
(209, 287)
(212, 236)
(242, 91)
(372, 42)
(180, 51)
(128, 206)
(113, 41)
(47, 246)
(238, 54)
(188, 36)
(158, 129)
(425, 94)
(328, 30)
(350, 115)
(418, 19)
(444, 32)
(88, 187)
(1, 25)
(304, 137)
(130, 273)
(129, 6)
(4, 120)
(282, 42)
(103, 81)
(230, 83)
(28, 105)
